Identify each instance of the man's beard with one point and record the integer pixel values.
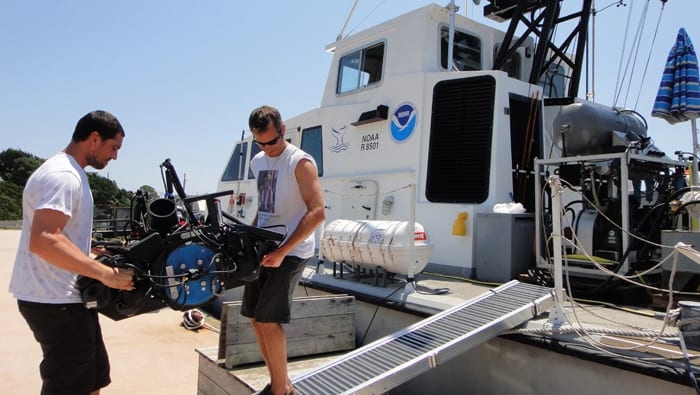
(95, 164)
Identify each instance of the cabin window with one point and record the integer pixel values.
(512, 65)
(311, 143)
(254, 149)
(466, 50)
(236, 164)
(553, 81)
(360, 68)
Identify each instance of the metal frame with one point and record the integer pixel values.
(625, 159)
(544, 19)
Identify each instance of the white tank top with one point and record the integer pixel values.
(280, 201)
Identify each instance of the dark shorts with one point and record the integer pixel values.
(75, 359)
(269, 297)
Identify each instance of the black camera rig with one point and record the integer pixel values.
(179, 261)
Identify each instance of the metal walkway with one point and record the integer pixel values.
(393, 360)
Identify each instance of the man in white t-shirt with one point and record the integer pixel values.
(290, 198)
(54, 249)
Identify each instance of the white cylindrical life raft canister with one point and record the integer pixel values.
(382, 244)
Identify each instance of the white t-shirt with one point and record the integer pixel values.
(279, 197)
(58, 184)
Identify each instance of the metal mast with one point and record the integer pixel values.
(542, 18)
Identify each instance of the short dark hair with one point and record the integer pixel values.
(104, 123)
(262, 116)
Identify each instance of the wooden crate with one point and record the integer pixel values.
(214, 379)
(319, 324)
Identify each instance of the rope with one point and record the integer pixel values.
(618, 80)
(629, 279)
(635, 45)
(366, 194)
(651, 48)
(600, 331)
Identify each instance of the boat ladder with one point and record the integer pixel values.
(395, 359)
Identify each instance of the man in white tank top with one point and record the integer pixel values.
(290, 202)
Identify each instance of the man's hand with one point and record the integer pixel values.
(98, 250)
(100, 247)
(118, 278)
(272, 259)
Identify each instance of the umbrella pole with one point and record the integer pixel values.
(694, 173)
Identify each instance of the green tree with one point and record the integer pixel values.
(106, 193)
(15, 168)
(10, 201)
(16, 165)
(152, 194)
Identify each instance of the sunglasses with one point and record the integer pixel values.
(271, 142)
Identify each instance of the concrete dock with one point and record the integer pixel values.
(150, 353)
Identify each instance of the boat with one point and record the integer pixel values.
(399, 136)
(472, 201)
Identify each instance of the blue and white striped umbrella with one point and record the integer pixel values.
(678, 99)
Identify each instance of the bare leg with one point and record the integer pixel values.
(261, 343)
(274, 349)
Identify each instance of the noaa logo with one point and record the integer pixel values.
(403, 122)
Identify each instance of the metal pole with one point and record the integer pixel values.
(695, 153)
(450, 41)
(538, 210)
(694, 169)
(347, 20)
(557, 316)
(320, 248)
(625, 208)
(411, 230)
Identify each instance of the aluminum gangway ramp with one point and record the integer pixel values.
(390, 361)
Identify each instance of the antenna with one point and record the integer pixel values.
(347, 20)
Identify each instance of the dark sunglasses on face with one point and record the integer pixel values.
(271, 142)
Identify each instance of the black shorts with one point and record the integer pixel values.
(269, 297)
(75, 359)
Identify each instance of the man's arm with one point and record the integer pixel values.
(48, 241)
(311, 193)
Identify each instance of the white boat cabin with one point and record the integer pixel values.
(394, 119)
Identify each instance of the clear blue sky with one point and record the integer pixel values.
(182, 76)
